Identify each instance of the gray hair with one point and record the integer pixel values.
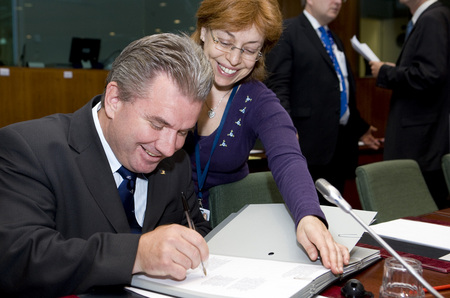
(174, 55)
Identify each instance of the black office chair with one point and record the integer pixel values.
(256, 188)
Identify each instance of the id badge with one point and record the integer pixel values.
(206, 213)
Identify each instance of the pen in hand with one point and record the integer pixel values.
(189, 220)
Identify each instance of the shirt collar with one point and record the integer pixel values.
(421, 9)
(314, 23)
(112, 159)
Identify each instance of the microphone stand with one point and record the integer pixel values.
(334, 196)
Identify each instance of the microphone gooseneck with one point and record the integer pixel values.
(333, 195)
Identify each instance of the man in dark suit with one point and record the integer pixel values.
(418, 122)
(63, 227)
(305, 78)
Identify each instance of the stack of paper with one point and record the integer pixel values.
(239, 277)
(417, 232)
(363, 49)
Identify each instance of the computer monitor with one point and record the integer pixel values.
(84, 53)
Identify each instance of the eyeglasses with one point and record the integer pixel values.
(224, 46)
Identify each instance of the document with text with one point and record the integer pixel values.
(239, 277)
(254, 253)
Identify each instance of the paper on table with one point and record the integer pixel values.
(254, 278)
(363, 49)
(418, 232)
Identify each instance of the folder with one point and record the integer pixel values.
(255, 252)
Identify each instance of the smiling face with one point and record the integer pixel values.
(230, 67)
(144, 131)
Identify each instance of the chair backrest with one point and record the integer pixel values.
(446, 169)
(393, 188)
(256, 188)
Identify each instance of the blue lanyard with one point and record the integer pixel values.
(201, 176)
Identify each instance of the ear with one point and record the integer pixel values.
(203, 34)
(112, 101)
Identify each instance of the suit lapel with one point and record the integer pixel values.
(311, 34)
(411, 34)
(94, 168)
(404, 45)
(159, 187)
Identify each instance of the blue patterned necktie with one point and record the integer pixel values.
(328, 42)
(126, 192)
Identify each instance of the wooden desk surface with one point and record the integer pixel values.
(371, 277)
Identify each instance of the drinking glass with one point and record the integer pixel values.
(399, 282)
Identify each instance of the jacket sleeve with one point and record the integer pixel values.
(423, 61)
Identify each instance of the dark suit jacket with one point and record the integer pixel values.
(63, 228)
(418, 122)
(304, 79)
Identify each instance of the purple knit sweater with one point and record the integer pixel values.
(256, 112)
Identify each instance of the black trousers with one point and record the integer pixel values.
(438, 188)
(341, 166)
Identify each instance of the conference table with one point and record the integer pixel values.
(370, 277)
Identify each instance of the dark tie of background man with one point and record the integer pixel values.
(409, 27)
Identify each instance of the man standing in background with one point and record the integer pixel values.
(418, 122)
(312, 78)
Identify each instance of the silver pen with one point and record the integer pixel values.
(189, 220)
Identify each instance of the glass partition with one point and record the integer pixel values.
(6, 33)
(38, 33)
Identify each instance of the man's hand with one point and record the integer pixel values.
(369, 140)
(170, 251)
(376, 65)
(313, 235)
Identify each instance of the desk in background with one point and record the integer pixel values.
(29, 93)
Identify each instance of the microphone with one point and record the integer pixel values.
(333, 196)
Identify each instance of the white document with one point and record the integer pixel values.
(417, 232)
(238, 277)
(363, 49)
